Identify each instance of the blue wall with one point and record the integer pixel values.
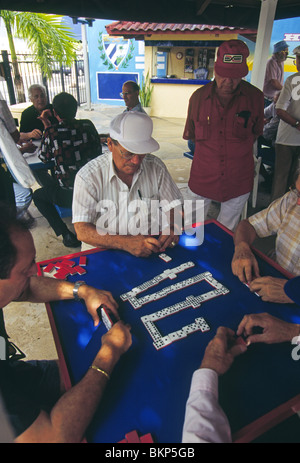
(112, 61)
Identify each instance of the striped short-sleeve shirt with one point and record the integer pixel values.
(100, 195)
(282, 218)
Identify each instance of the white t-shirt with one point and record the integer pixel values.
(289, 101)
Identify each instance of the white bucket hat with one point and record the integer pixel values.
(133, 131)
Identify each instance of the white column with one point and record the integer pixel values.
(265, 26)
(86, 67)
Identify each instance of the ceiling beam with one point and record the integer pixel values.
(201, 6)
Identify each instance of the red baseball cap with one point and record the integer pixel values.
(232, 59)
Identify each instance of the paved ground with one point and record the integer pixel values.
(27, 324)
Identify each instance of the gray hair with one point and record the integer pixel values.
(34, 87)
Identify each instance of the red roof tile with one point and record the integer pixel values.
(138, 28)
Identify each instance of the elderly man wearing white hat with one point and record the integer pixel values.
(287, 144)
(117, 195)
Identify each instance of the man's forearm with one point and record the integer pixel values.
(244, 233)
(87, 233)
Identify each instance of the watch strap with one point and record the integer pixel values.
(76, 289)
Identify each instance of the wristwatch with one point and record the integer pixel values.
(76, 289)
(297, 123)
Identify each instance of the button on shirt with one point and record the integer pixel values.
(223, 166)
(282, 218)
(103, 199)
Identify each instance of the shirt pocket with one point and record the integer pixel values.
(242, 126)
(202, 129)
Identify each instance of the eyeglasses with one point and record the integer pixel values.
(128, 156)
(122, 94)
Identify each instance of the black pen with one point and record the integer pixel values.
(140, 194)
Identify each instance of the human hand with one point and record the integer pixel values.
(140, 245)
(221, 351)
(44, 117)
(35, 134)
(117, 340)
(27, 148)
(274, 330)
(270, 289)
(167, 240)
(244, 265)
(93, 298)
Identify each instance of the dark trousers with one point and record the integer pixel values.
(45, 199)
(6, 187)
(286, 162)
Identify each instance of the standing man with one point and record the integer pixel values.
(130, 95)
(224, 119)
(287, 144)
(275, 71)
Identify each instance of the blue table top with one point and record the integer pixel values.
(149, 387)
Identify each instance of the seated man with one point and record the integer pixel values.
(30, 124)
(205, 421)
(130, 95)
(117, 195)
(281, 218)
(38, 408)
(70, 143)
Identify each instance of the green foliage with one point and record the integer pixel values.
(146, 89)
(46, 36)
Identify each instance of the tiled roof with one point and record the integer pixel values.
(138, 28)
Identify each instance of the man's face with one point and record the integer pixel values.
(298, 62)
(282, 55)
(39, 99)
(126, 163)
(18, 281)
(227, 85)
(130, 96)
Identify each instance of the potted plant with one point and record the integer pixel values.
(145, 94)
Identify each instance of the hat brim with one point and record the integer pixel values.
(234, 71)
(137, 147)
(292, 289)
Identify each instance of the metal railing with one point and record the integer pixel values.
(64, 79)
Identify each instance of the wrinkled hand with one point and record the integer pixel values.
(244, 265)
(93, 298)
(270, 289)
(167, 240)
(221, 351)
(274, 330)
(140, 245)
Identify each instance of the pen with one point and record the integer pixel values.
(140, 195)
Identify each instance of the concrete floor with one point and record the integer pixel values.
(27, 324)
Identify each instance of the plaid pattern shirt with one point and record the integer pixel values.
(282, 218)
(70, 144)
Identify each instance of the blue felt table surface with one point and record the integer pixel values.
(149, 388)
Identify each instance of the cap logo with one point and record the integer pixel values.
(236, 59)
